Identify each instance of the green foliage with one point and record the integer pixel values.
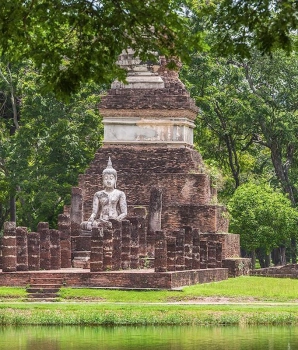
(52, 146)
(247, 125)
(263, 217)
(237, 26)
(73, 42)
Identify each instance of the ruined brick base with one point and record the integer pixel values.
(133, 279)
(237, 266)
(286, 271)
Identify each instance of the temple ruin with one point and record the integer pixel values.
(173, 235)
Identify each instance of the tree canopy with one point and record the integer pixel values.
(240, 25)
(263, 217)
(73, 41)
(41, 161)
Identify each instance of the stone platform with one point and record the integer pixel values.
(144, 279)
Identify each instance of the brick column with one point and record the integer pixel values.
(141, 213)
(76, 210)
(64, 227)
(154, 224)
(180, 246)
(107, 248)
(126, 245)
(45, 251)
(160, 261)
(203, 252)
(22, 248)
(188, 247)
(134, 250)
(33, 251)
(196, 249)
(211, 263)
(218, 254)
(171, 254)
(96, 255)
(9, 248)
(117, 245)
(55, 250)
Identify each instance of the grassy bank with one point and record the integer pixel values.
(115, 307)
(243, 288)
(115, 314)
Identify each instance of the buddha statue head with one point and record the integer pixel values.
(109, 176)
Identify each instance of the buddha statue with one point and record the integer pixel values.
(109, 203)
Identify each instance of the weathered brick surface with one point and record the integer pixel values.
(180, 249)
(33, 251)
(171, 254)
(135, 243)
(9, 247)
(126, 244)
(55, 250)
(196, 249)
(237, 266)
(173, 96)
(207, 218)
(45, 245)
(64, 228)
(286, 271)
(22, 248)
(117, 245)
(160, 261)
(96, 255)
(145, 279)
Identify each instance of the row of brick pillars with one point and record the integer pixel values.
(186, 249)
(46, 249)
(118, 248)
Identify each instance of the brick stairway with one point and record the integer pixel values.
(44, 289)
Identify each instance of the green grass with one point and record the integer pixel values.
(149, 308)
(117, 314)
(245, 287)
(12, 293)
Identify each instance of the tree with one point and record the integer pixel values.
(222, 133)
(74, 41)
(53, 145)
(240, 25)
(264, 218)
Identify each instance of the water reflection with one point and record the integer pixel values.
(149, 338)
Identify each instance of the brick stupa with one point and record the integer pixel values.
(174, 234)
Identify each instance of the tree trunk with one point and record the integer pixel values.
(267, 260)
(253, 259)
(293, 250)
(279, 256)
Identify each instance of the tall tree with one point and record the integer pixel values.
(264, 218)
(54, 143)
(240, 25)
(73, 41)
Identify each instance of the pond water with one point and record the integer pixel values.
(149, 338)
